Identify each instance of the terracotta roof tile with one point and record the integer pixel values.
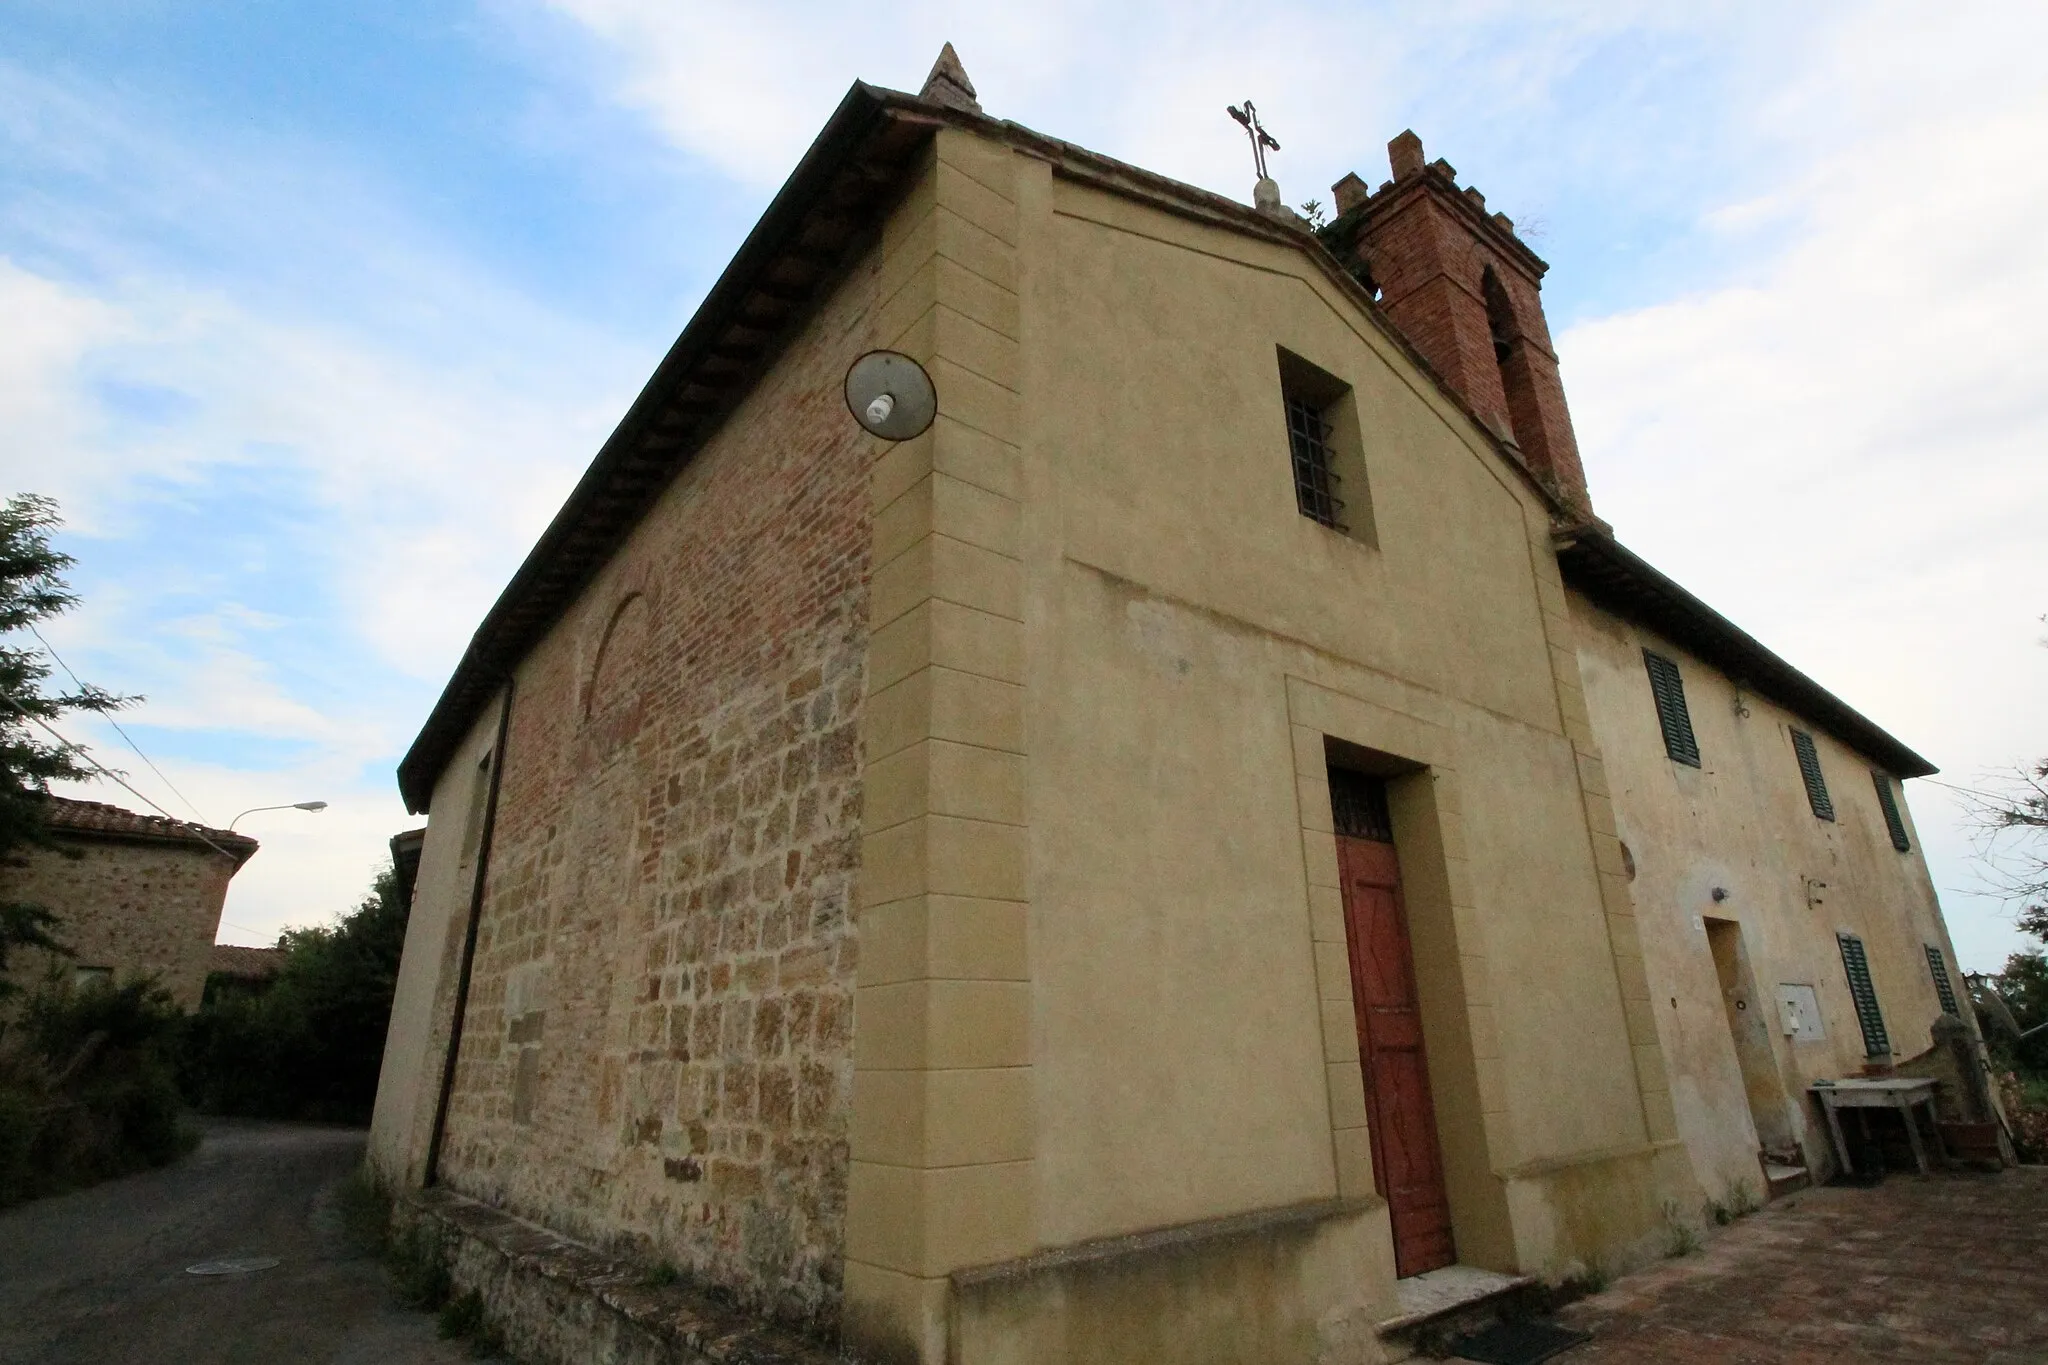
(93, 817)
(249, 964)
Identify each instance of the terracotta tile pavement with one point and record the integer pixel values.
(1929, 1270)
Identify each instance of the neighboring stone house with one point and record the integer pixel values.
(1155, 865)
(232, 969)
(142, 896)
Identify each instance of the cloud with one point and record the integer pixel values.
(746, 88)
(1798, 300)
(1840, 447)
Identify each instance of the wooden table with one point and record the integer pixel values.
(1900, 1093)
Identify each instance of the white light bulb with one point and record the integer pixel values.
(879, 410)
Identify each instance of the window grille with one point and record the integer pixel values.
(1315, 483)
(1889, 803)
(1667, 688)
(1358, 805)
(1809, 773)
(1937, 967)
(1876, 1042)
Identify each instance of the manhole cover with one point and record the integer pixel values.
(238, 1266)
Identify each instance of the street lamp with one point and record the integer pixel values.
(295, 805)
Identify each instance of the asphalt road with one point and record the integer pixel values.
(98, 1277)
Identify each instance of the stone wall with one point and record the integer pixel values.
(137, 908)
(657, 1051)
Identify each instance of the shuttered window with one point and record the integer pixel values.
(1810, 774)
(1876, 1042)
(1937, 967)
(1667, 688)
(1889, 803)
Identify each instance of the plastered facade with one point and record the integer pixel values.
(1063, 925)
(1099, 844)
(1740, 825)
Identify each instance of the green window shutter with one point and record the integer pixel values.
(1937, 966)
(1876, 1042)
(1809, 772)
(1667, 689)
(1890, 805)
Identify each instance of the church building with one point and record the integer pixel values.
(1209, 852)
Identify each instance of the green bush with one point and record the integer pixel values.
(308, 1047)
(88, 1089)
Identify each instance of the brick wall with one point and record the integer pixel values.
(657, 1052)
(1463, 290)
(139, 908)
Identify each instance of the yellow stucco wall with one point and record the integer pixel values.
(423, 1003)
(1101, 988)
(1187, 1030)
(1741, 823)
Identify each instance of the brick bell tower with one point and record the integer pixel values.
(1464, 290)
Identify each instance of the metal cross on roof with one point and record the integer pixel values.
(1248, 117)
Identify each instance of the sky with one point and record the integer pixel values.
(310, 315)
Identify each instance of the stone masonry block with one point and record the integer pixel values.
(1485, 1030)
(886, 1309)
(973, 247)
(1326, 914)
(942, 1118)
(946, 704)
(1624, 935)
(946, 778)
(972, 296)
(898, 788)
(945, 855)
(975, 401)
(960, 192)
(976, 783)
(939, 1025)
(1593, 777)
(971, 576)
(946, 634)
(1333, 972)
(1313, 796)
(1642, 1021)
(1347, 1094)
(993, 165)
(898, 715)
(1352, 1148)
(1319, 849)
(959, 937)
(943, 332)
(976, 858)
(1660, 1116)
(1340, 1031)
(1310, 757)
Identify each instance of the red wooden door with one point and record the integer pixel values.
(1407, 1166)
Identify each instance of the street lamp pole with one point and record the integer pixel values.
(290, 805)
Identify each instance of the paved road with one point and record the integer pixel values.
(98, 1277)
(1922, 1270)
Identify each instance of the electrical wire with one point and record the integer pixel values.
(109, 773)
(109, 719)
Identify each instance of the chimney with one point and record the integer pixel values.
(1464, 290)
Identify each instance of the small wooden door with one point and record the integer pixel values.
(1407, 1165)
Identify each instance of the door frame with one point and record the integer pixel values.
(1454, 987)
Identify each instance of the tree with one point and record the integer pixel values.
(2019, 815)
(310, 1045)
(32, 589)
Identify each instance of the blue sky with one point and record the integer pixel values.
(310, 314)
